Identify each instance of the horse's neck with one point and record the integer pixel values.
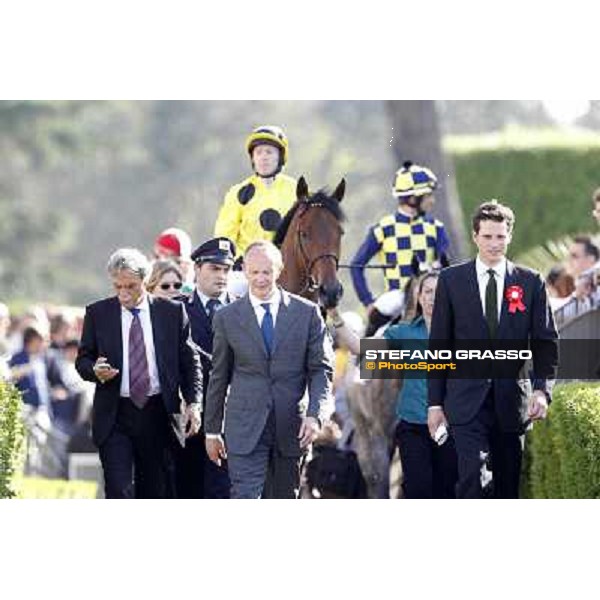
(293, 277)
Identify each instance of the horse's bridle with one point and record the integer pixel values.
(311, 285)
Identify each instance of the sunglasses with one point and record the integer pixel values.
(167, 286)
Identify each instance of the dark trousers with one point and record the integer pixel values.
(135, 457)
(196, 476)
(429, 470)
(265, 473)
(482, 446)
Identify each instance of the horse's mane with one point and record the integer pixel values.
(322, 198)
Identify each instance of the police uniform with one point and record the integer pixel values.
(196, 475)
(253, 211)
(402, 240)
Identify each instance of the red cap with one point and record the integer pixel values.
(174, 241)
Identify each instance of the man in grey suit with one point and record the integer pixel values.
(272, 348)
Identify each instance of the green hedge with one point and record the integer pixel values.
(563, 452)
(11, 438)
(549, 188)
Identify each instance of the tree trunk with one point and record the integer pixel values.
(416, 136)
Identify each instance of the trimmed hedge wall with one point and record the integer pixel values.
(563, 452)
(11, 438)
(548, 188)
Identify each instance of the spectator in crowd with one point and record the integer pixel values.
(59, 331)
(36, 317)
(429, 469)
(560, 286)
(125, 340)
(166, 279)
(37, 375)
(175, 244)
(583, 266)
(583, 255)
(70, 409)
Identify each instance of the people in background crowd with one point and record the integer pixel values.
(37, 374)
(175, 244)
(165, 280)
(560, 286)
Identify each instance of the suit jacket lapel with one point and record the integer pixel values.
(475, 300)
(509, 279)
(284, 319)
(116, 336)
(158, 335)
(249, 322)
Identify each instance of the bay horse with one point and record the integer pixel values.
(310, 237)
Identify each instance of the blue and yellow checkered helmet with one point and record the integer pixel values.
(269, 134)
(414, 180)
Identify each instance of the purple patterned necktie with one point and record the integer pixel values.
(139, 376)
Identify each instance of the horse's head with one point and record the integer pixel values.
(312, 245)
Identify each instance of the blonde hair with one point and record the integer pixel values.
(159, 268)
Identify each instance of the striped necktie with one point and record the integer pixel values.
(139, 375)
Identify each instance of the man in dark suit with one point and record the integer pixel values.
(138, 351)
(196, 475)
(490, 298)
(272, 348)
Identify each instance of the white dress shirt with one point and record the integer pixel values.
(483, 277)
(274, 300)
(126, 320)
(204, 299)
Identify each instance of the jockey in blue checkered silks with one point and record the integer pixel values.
(409, 240)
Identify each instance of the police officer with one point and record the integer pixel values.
(409, 238)
(254, 208)
(196, 475)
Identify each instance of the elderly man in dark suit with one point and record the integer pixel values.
(492, 299)
(272, 348)
(138, 351)
(197, 476)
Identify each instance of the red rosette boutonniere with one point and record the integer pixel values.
(514, 296)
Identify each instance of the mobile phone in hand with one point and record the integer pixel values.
(441, 435)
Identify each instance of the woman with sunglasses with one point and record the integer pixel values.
(166, 280)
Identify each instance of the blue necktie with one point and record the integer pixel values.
(267, 328)
(212, 306)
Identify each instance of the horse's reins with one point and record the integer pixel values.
(311, 285)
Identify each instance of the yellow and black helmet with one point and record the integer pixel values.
(269, 134)
(414, 180)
